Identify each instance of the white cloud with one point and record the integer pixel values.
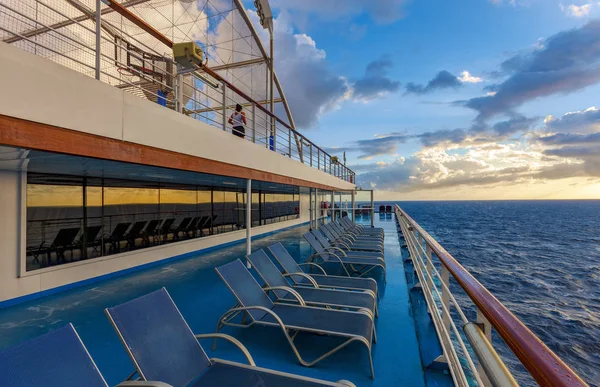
(466, 77)
(578, 10)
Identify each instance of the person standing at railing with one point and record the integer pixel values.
(238, 120)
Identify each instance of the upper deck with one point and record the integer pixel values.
(143, 111)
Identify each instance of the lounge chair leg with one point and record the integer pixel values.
(371, 364)
(374, 335)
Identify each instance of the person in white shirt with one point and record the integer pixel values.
(237, 120)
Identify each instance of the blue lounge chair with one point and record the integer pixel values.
(348, 225)
(348, 243)
(357, 235)
(339, 249)
(162, 346)
(359, 265)
(350, 238)
(66, 363)
(254, 302)
(294, 271)
(330, 298)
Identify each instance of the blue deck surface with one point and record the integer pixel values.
(202, 297)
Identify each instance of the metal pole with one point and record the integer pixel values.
(332, 205)
(248, 219)
(317, 209)
(310, 206)
(311, 160)
(353, 205)
(290, 143)
(179, 93)
(224, 106)
(271, 49)
(253, 123)
(98, 32)
(372, 210)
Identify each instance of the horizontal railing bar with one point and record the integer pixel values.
(542, 363)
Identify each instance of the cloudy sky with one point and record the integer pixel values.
(476, 99)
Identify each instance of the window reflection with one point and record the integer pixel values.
(75, 218)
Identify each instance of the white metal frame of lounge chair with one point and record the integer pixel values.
(162, 296)
(247, 310)
(314, 296)
(357, 264)
(293, 270)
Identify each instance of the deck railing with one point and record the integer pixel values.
(544, 365)
(105, 40)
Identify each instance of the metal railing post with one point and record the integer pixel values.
(224, 86)
(253, 123)
(311, 160)
(290, 142)
(429, 267)
(179, 93)
(486, 328)
(446, 296)
(318, 158)
(98, 35)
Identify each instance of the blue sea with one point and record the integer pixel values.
(540, 258)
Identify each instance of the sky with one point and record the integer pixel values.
(453, 100)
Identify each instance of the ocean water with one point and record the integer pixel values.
(540, 258)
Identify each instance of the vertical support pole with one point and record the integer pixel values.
(340, 215)
(179, 93)
(317, 209)
(84, 241)
(310, 207)
(98, 35)
(248, 219)
(319, 159)
(290, 143)
(353, 205)
(253, 123)
(372, 210)
(311, 160)
(332, 205)
(224, 108)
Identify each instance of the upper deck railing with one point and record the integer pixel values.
(130, 55)
(543, 365)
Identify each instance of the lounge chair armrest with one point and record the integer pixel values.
(294, 293)
(336, 257)
(142, 383)
(309, 278)
(343, 244)
(232, 340)
(334, 248)
(313, 264)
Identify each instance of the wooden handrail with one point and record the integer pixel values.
(169, 43)
(544, 365)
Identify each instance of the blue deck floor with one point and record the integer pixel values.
(202, 298)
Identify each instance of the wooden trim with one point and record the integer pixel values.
(544, 365)
(21, 133)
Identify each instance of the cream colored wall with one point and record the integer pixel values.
(12, 234)
(45, 92)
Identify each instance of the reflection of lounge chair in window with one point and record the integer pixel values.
(181, 227)
(91, 239)
(150, 231)
(210, 223)
(134, 233)
(189, 231)
(165, 229)
(196, 229)
(117, 235)
(65, 239)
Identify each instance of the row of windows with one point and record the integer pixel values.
(71, 219)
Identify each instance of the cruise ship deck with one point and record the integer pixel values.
(202, 297)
